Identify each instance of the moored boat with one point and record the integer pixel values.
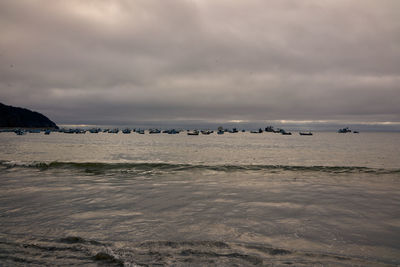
(344, 130)
(283, 132)
(20, 132)
(172, 131)
(94, 130)
(195, 132)
(126, 131)
(154, 131)
(269, 129)
(116, 130)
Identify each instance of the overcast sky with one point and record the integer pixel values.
(126, 61)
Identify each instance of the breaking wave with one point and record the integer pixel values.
(75, 250)
(151, 166)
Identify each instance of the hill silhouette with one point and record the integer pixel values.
(13, 117)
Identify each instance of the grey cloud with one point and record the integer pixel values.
(166, 60)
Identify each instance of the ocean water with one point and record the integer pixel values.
(220, 200)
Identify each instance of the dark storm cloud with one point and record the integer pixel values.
(108, 61)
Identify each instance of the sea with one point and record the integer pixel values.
(236, 199)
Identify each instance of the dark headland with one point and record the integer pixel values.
(15, 117)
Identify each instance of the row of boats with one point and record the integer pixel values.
(23, 132)
(271, 129)
(347, 130)
(220, 131)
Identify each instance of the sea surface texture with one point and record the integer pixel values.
(210, 200)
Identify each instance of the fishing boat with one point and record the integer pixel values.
(283, 132)
(269, 129)
(20, 132)
(258, 131)
(154, 131)
(94, 130)
(344, 130)
(195, 132)
(172, 131)
(69, 131)
(80, 131)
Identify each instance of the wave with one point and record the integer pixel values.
(79, 251)
(173, 167)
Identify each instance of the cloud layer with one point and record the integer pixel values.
(125, 61)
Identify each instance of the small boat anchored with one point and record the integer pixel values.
(20, 132)
(283, 132)
(195, 132)
(305, 133)
(344, 130)
(126, 131)
(154, 131)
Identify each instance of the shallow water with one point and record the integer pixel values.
(237, 199)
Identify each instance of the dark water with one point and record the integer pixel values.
(231, 200)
